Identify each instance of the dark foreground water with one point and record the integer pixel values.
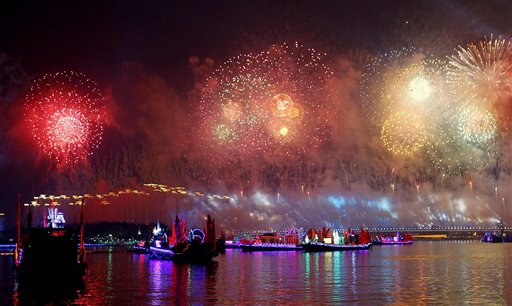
(447, 273)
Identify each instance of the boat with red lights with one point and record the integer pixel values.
(328, 240)
(230, 242)
(287, 241)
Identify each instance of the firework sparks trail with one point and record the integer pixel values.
(65, 112)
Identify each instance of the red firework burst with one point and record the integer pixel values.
(65, 112)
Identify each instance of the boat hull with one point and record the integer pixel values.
(194, 254)
(322, 247)
(269, 248)
(49, 257)
(138, 249)
(64, 277)
(232, 245)
(160, 253)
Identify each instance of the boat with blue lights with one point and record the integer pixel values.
(7, 249)
(180, 245)
(498, 236)
(140, 248)
(328, 240)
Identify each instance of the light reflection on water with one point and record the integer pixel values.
(423, 273)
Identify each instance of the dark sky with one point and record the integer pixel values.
(102, 38)
(97, 36)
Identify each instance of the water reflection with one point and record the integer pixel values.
(109, 277)
(40, 294)
(47, 295)
(182, 283)
(424, 273)
(343, 273)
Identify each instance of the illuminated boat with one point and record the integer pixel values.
(236, 242)
(328, 240)
(398, 239)
(196, 246)
(49, 256)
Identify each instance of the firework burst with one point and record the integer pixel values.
(454, 155)
(65, 112)
(401, 92)
(406, 80)
(478, 82)
(404, 133)
(256, 103)
(480, 73)
(476, 126)
(465, 140)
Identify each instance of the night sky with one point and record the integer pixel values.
(152, 61)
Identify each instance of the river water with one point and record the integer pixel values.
(445, 273)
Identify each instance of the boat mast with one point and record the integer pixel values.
(18, 230)
(81, 255)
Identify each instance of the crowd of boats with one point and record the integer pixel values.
(200, 245)
(315, 240)
(63, 249)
